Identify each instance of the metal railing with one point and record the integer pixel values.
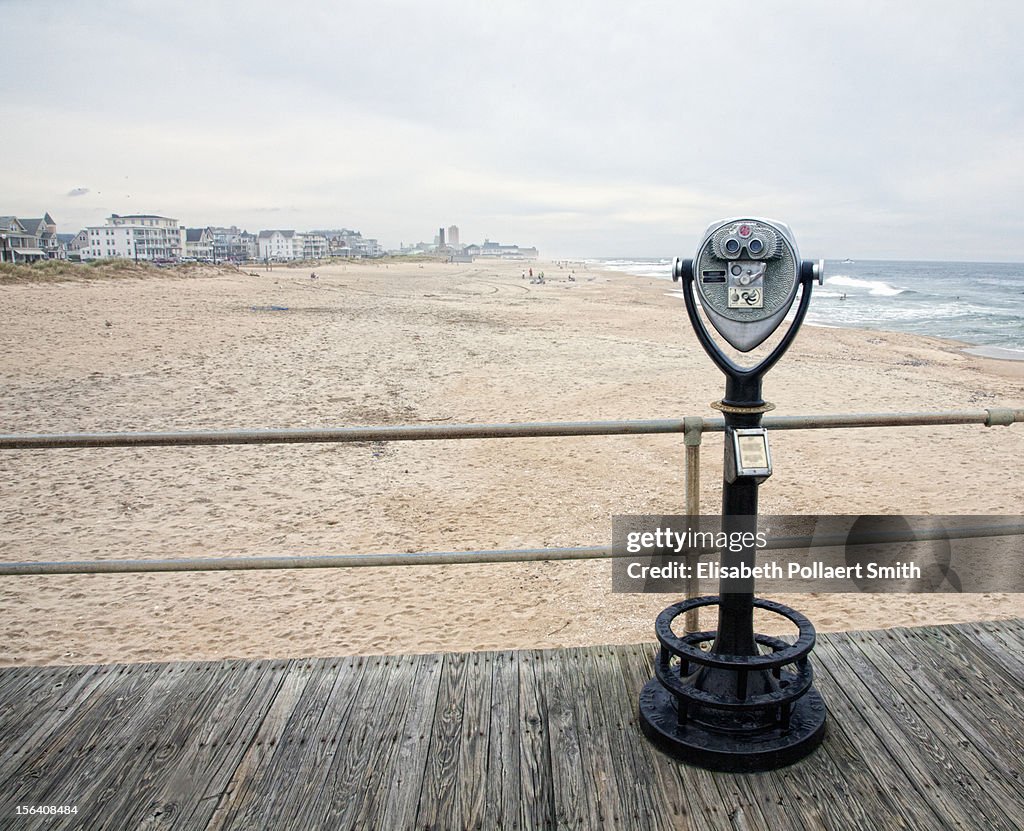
(538, 429)
(692, 429)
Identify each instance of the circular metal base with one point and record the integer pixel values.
(739, 750)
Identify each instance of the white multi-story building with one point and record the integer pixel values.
(371, 248)
(140, 237)
(314, 246)
(280, 245)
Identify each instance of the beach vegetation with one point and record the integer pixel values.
(60, 271)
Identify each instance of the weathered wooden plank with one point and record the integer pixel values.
(25, 690)
(585, 679)
(636, 803)
(166, 734)
(537, 800)
(404, 793)
(1007, 653)
(220, 742)
(232, 799)
(834, 787)
(66, 729)
(575, 780)
(473, 772)
(690, 794)
(66, 769)
(366, 733)
(996, 667)
(965, 708)
(850, 718)
(39, 701)
(384, 756)
(293, 755)
(937, 773)
(1013, 627)
(659, 773)
(502, 794)
(439, 804)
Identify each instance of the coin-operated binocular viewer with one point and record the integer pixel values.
(737, 706)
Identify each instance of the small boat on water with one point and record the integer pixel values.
(847, 261)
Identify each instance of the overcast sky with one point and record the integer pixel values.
(584, 128)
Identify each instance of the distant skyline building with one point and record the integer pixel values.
(453, 236)
(440, 237)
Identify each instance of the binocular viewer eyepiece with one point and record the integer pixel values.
(746, 274)
(757, 241)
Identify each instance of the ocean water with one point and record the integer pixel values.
(981, 304)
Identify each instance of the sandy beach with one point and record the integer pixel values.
(384, 343)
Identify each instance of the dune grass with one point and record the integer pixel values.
(58, 271)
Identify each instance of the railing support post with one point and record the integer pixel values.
(693, 433)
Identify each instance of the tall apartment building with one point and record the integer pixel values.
(314, 246)
(453, 236)
(140, 237)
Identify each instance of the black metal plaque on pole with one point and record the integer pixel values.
(748, 703)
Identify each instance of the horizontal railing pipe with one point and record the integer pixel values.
(431, 432)
(1000, 416)
(513, 555)
(430, 558)
(428, 432)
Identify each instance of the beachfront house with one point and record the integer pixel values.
(44, 230)
(139, 237)
(347, 243)
(17, 243)
(77, 244)
(64, 243)
(232, 244)
(198, 244)
(371, 248)
(280, 245)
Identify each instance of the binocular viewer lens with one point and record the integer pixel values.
(732, 246)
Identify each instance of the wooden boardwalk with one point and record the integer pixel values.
(926, 731)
